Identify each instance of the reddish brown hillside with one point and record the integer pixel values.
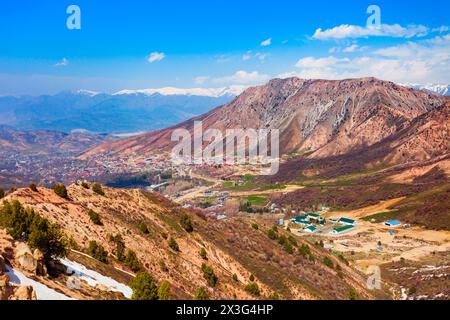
(319, 117)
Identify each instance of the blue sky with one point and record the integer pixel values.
(149, 44)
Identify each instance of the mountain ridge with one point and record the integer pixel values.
(321, 118)
(172, 91)
(104, 113)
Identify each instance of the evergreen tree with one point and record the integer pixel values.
(201, 294)
(253, 289)
(119, 252)
(132, 261)
(143, 227)
(352, 294)
(144, 287)
(60, 190)
(97, 188)
(209, 275)
(186, 223)
(173, 245)
(97, 251)
(95, 217)
(203, 254)
(164, 291)
(26, 225)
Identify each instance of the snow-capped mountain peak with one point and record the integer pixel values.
(440, 89)
(87, 92)
(203, 92)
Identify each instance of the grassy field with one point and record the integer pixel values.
(382, 216)
(257, 200)
(228, 184)
(250, 183)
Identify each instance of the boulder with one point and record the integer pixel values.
(11, 292)
(2, 265)
(102, 287)
(5, 288)
(24, 257)
(41, 269)
(4, 280)
(23, 293)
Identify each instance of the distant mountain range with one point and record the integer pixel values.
(320, 118)
(122, 112)
(231, 91)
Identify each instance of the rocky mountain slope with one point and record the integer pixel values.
(315, 117)
(425, 138)
(234, 249)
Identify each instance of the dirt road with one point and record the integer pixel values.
(287, 189)
(367, 211)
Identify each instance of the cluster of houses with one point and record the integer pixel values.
(311, 222)
(221, 196)
(215, 215)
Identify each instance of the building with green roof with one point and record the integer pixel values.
(342, 229)
(310, 229)
(347, 221)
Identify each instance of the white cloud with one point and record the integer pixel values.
(247, 56)
(311, 62)
(350, 49)
(258, 55)
(156, 56)
(441, 29)
(427, 61)
(222, 58)
(351, 31)
(63, 63)
(266, 43)
(201, 79)
(334, 50)
(261, 56)
(353, 48)
(242, 77)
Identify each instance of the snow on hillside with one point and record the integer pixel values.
(42, 291)
(88, 92)
(202, 92)
(93, 278)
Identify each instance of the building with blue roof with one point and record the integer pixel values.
(392, 223)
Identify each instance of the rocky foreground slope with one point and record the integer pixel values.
(235, 249)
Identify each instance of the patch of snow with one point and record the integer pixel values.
(431, 268)
(128, 135)
(93, 278)
(42, 291)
